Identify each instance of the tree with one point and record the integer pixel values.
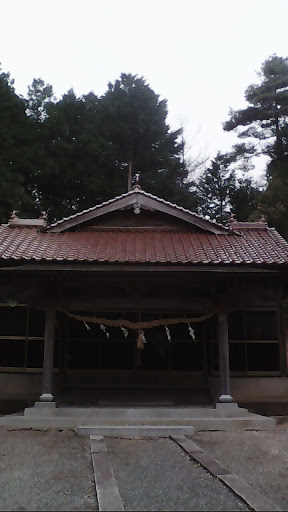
(265, 127)
(274, 200)
(38, 98)
(221, 191)
(265, 119)
(133, 120)
(91, 145)
(245, 199)
(67, 155)
(70, 176)
(214, 188)
(15, 152)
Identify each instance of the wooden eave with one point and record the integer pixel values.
(108, 268)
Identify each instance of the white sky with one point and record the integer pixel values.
(199, 55)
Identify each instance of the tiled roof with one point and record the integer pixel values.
(252, 246)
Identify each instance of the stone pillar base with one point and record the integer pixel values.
(49, 405)
(226, 406)
(46, 397)
(225, 399)
(230, 409)
(41, 410)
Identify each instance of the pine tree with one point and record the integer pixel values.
(245, 198)
(265, 119)
(274, 200)
(214, 188)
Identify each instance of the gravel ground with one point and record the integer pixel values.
(259, 458)
(52, 470)
(45, 470)
(156, 474)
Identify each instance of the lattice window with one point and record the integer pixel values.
(253, 343)
(22, 339)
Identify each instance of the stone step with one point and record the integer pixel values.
(135, 430)
(128, 414)
(120, 413)
(228, 424)
(249, 422)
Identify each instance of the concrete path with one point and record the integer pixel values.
(106, 488)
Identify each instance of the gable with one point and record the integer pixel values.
(126, 219)
(137, 203)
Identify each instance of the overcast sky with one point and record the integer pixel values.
(199, 55)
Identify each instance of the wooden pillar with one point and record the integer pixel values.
(224, 369)
(48, 357)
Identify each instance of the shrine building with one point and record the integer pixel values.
(140, 300)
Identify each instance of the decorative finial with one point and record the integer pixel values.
(44, 215)
(263, 219)
(14, 215)
(232, 218)
(137, 208)
(136, 183)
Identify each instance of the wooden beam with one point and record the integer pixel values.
(110, 267)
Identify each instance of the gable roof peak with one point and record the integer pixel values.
(138, 198)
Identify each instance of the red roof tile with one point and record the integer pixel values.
(252, 246)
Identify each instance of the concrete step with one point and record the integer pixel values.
(118, 413)
(134, 414)
(231, 424)
(228, 424)
(135, 430)
(248, 422)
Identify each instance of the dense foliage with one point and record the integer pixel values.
(66, 155)
(16, 136)
(263, 126)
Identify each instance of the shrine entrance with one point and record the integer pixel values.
(164, 363)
